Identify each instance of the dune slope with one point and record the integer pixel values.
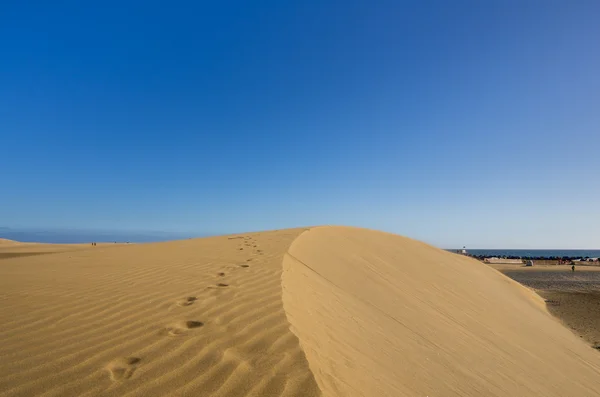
(200, 317)
(15, 249)
(381, 315)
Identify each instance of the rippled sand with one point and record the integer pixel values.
(326, 311)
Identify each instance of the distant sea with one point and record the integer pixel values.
(533, 253)
(87, 236)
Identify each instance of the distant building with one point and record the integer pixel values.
(497, 261)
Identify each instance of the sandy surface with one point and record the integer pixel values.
(544, 268)
(573, 297)
(382, 315)
(197, 317)
(579, 311)
(15, 249)
(566, 280)
(329, 311)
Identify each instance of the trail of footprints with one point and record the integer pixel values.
(123, 368)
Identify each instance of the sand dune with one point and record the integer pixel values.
(329, 311)
(14, 249)
(186, 318)
(382, 315)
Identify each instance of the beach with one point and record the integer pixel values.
(572, 297)
(323, 311)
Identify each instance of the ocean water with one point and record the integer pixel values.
(87, 236)
(538, 253)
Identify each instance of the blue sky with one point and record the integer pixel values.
(458, 123)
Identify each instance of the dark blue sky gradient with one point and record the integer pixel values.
(462, 122)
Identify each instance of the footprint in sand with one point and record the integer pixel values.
(217, 286)
(182, 327)
(221, 274)
(186, 301)
(244, 265)
(122, 368)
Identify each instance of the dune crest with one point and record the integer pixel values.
(382, 315)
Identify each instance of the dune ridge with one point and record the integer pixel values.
(382, 315)
(201, 317)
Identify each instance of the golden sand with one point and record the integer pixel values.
(328, 311)
(200, 317)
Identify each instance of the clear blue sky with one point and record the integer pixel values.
(459, 123)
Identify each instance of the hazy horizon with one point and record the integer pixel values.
(73, 236)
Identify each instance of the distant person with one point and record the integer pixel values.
(573, 268)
